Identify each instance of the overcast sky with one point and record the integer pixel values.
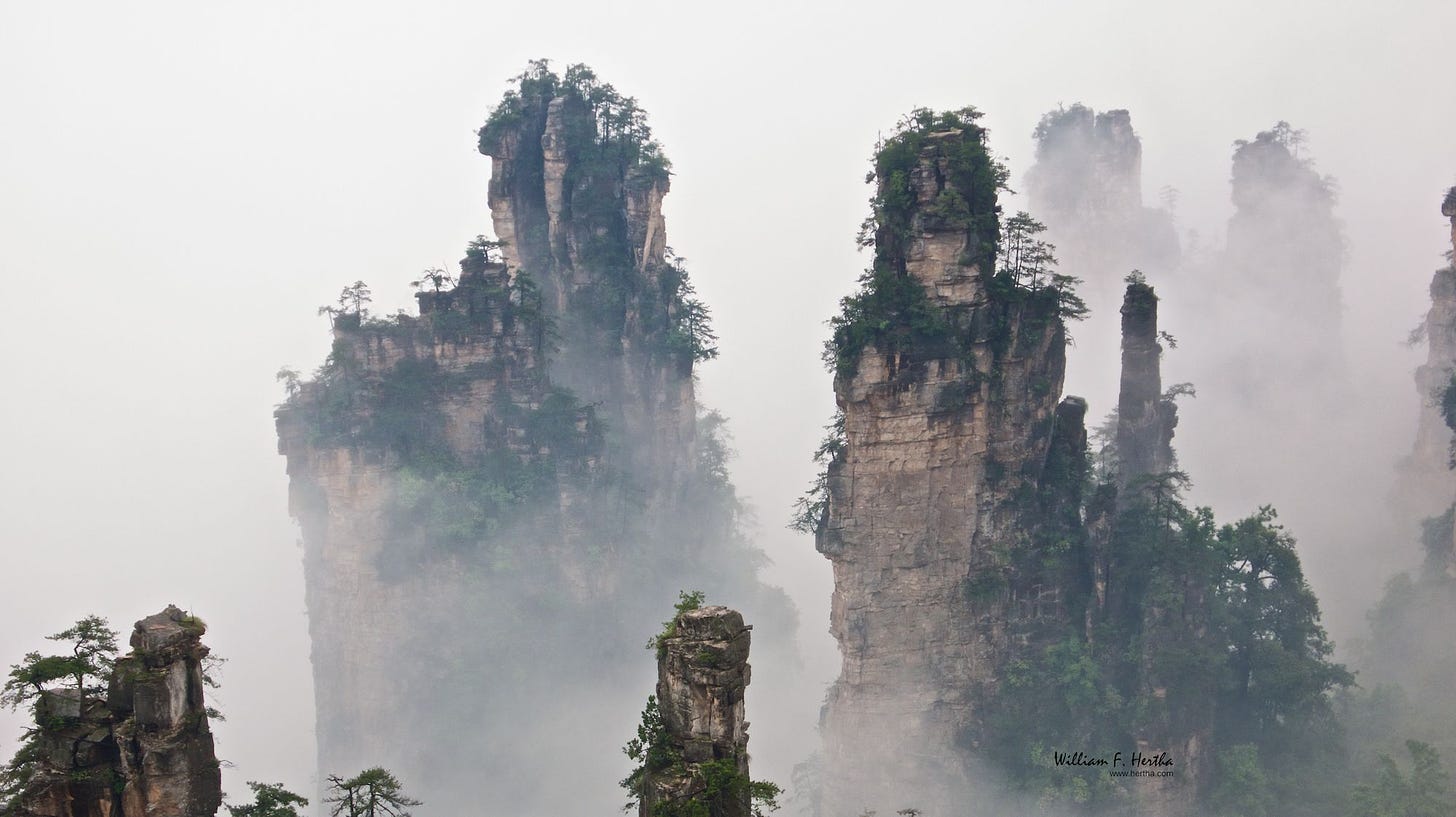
(183, 183)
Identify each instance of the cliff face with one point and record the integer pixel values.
(496, 494)
(1086, 185)
(146, 750)
(702, 673)
(1427, 480)
(942, 441)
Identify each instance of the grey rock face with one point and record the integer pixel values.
(921, 514)
(702, 674)
(147, 750)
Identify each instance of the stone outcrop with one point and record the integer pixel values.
(1427, 481)
(925, 514)
(702, 673)
(1145, 418)
(496, 495)
(146, 750)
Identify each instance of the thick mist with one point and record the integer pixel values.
(181, 187)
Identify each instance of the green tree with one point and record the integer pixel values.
(269, 800)
(351, 304)
(373, 792)
(1424, 793)
(1278, 652)
(1025, 257)
(87, 667)
(434, 277)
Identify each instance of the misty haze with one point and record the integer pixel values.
(799, 409)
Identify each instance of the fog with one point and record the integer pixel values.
(182, 185)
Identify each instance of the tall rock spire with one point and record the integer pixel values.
(948, 377)
(1145, 418)
(497, 495)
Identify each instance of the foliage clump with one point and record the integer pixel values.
(270, 800)
(1222, 621)
(1424, 792)
(84, 671)
(891, 311)
(616, 123)
(686, 602)
(374, 792)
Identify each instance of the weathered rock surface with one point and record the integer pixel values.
(1145, 418)
(1427, 481)
(146, 750)
(702, 674)
(923, 516)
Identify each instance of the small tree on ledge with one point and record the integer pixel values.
(93, 653)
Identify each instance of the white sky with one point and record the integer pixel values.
(182, 184)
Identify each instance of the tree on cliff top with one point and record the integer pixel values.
(93, 652)
(373, 792)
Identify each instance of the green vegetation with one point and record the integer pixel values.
(85, 669)
(1425, 792)
(1221, 619)
(618, 127)
(269, 800)
(812, 509)
(373, 792)
(686, 602)
(81, 673)
(891, 311)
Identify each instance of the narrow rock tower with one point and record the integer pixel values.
(702, 674)
(1145, 418)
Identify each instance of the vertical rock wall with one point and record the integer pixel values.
(1427, 481)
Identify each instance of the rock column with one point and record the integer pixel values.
(702, 672)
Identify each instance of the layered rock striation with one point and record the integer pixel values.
(145, 750)
(950, 418)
